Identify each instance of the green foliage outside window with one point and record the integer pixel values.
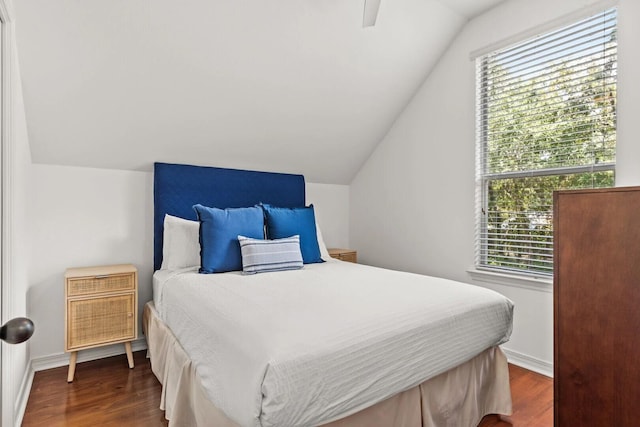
(537, 128)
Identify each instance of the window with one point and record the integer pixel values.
(546, 121)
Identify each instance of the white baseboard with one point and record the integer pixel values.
(530, 363)
(23, 394)
(62, 359)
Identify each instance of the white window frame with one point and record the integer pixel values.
(481, 271)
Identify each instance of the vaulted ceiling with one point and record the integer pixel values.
(288, 85)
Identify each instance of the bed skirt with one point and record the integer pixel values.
(457, 398)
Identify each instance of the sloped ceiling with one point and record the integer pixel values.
(288, 85)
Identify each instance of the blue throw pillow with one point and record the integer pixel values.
(260, 256)
(219, 230)
(287, 222)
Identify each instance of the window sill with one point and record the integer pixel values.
(540, 284)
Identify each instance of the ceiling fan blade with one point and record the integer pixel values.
(370, 12)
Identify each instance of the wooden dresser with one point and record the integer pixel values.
(101, 309)
(597, 307)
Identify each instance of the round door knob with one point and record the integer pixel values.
(17, 330)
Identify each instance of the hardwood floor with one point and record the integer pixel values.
(532, 396)
(106, 393)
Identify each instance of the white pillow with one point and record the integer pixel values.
(181, 245)
(324, 253)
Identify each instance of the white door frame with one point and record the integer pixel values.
(7, 415)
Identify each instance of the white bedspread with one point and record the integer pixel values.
(305, 347)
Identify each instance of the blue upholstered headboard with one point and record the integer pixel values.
(176, 188)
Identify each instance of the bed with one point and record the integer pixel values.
(333, 344)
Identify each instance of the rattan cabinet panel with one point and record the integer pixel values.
(101, 309)
(99, 321)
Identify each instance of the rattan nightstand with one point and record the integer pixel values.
(348, 255)
(101, 309)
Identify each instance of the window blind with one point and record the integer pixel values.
(546, 120)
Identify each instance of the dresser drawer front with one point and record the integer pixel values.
(99, 284)
(100, 320)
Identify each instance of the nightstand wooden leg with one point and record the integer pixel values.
(127, 347)
(72, 366)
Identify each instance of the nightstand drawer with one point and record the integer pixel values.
(100, 284)
(348, 255)
(94, 321)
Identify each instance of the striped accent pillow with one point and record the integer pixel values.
(260, 256)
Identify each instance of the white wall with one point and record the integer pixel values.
(412, 203)
(331, 206)
(628, 150)
(85, 216)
